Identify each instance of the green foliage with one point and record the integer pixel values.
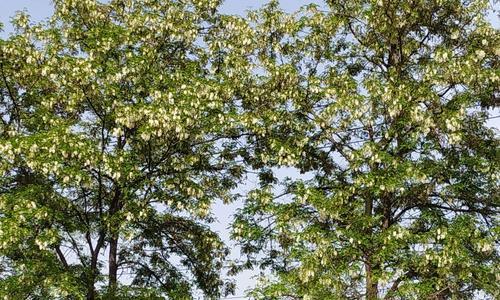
(115, 141)
(122, 122)
(384, 104)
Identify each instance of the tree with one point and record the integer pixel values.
(115, 140)
(383, 106)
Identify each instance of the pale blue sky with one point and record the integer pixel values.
(41, 9)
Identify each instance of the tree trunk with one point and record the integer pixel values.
(371, 283)
(113, 264)
(113, 244)
(91, 282)
(91, 294)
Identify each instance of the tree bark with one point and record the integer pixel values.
(91, 294)
(371, 283)
(113, 244)
(93, 274)
(113, 264)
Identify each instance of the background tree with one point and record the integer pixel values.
(383, 105)
(115, 139)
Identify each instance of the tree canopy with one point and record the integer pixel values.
(122, 122)
(115, 141)
(383, 106)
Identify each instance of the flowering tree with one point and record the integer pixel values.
(383, 104)
(115, 139)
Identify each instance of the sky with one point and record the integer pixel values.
(41, 9)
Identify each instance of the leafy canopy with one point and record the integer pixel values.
(383, 105)
(115, 140)
(122, 122)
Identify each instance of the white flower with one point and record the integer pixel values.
(480, 54)
(117, 132)
(145, 136)
(33, 148)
